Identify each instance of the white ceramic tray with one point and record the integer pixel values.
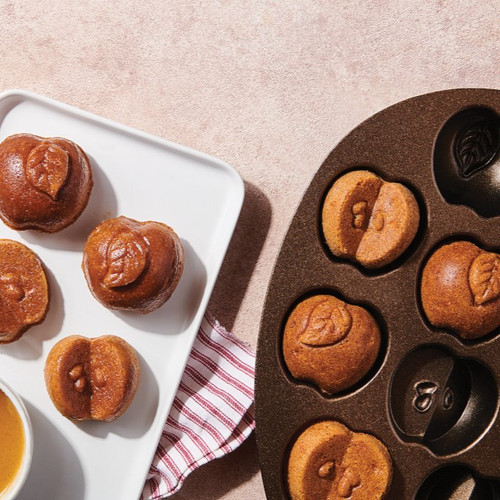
(145, 178)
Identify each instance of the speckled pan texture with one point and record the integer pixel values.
(431, 396)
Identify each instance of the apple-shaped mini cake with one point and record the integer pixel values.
(330, 343)
(23, 290)
(132, 265)
(460, 289)
(368, 220)
(45, 183)
(92, 378)
(330, 462)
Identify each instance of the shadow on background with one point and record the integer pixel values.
(227, 473)
(217, 478)
(241, 257)
(179, 311)
(137, 419)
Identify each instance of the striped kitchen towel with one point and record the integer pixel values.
(212, 413)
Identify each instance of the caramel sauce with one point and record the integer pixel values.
(11, 442)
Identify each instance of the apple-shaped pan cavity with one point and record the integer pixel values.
(369, 220)
(442, 401)
(460, 290)
(329, 461)
(458, 481)
(467, 161)
(335, 345)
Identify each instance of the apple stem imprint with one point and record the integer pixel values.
(47, 168)
(77, 376)
(348, 482)
(12, 288)
(326, 325)
(359, 211)
(424, 394)
(326, 470)
(12, 293)
(378, 221)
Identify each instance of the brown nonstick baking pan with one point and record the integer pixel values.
(431, 397)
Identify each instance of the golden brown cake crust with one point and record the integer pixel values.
(460, 289)
(24, 290)
(368, 220)
(330, 462)
(132, 265)
(45, 183)
(330, 343)
(92, 378)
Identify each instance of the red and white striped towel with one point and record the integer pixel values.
(212, 413)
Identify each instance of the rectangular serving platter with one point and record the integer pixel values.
(145, 178)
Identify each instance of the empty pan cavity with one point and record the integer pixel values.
(442, 401)
(467, 160)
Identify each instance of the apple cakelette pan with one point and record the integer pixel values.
(431, 397)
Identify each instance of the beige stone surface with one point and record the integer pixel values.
(267, 86)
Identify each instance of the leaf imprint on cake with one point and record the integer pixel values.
(127, 257)
(327, 324)
(484, 278)
(47, 168)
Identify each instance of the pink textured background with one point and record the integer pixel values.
(267, 86)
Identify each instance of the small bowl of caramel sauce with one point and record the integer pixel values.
(16, 442)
